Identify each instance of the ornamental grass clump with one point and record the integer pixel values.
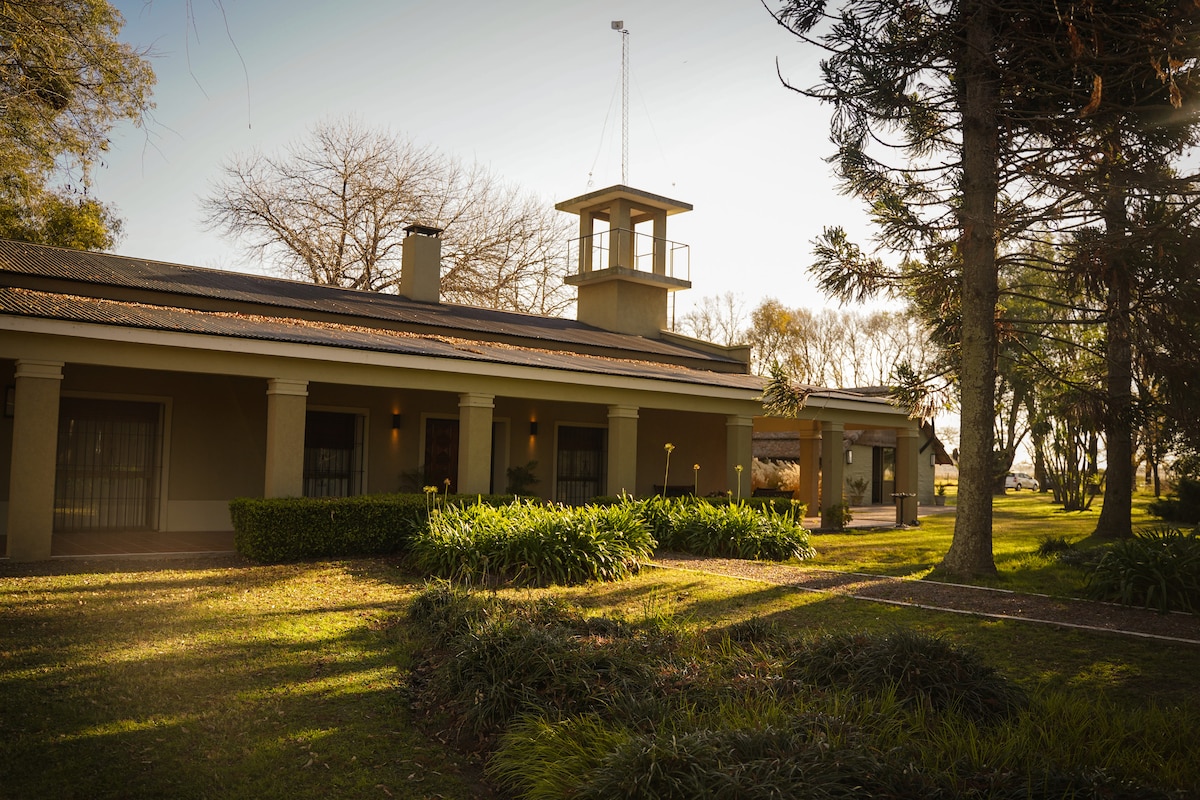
(532, 544)
(567, 705)
(1158, 568)
(491, 662)
(797, 761)
(733, 530)
(921, 669)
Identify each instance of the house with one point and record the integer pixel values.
(145, 396)
(869, 458)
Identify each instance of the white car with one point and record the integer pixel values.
(1020, 480)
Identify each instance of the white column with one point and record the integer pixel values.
(739, 451)
(810, 471)
(831, 471)
(287, 404)
(475, 442)
(622, 450)
(587, 242)
(907, 472)
(660, 244)
(621, 235)
(34, 447)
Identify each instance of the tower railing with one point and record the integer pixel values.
(621, 247)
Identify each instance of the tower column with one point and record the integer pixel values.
(587, 227)
(660, 243)
(620, 231)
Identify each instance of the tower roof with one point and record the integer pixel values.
(603, 198)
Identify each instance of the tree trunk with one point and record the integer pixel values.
(1116, 514)
(970, 550)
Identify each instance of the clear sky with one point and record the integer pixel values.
(529, 88)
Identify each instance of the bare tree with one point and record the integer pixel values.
(332, 210)
(718, 318)
(836, 348)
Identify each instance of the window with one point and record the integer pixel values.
(883, 473)
(580, 472)
(333, 454)
(441, 454)
(107, 465)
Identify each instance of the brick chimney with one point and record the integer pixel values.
(421, 264)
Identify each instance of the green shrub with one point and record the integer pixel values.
(1053, 546)
(1158, 568)
(780, 505)
(1183, 507)
(294, 528)
(530, 543)
(921, 669)
(734, 530)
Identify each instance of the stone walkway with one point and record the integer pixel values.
(955, 598)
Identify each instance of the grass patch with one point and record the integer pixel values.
(1021, 523)
(219, 678)
(210, 679)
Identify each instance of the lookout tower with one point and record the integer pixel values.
(625, 275)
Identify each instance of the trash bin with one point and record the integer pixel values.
(898, 497)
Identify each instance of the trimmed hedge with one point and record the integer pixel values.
(297, 528)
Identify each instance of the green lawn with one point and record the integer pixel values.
(1020, 521)
(222, 679)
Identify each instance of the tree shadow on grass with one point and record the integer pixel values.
(263, 682)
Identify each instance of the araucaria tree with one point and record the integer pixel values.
(332, 210)
(1111, 100)
(966, 126)
(916, 95)
(65, 80)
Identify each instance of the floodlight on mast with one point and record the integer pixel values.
(619, 26)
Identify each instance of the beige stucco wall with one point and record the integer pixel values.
(624, 306)
(216, 435)
(862, 468)
(698, 439)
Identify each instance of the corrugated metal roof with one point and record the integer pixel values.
(103, 269)
(46, 305)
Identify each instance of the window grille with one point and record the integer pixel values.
(580, 471)
(108, 465)
(333, 454)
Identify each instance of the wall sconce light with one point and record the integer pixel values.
(933, 459)
(533, 428)
(849, 456)
(396, 420)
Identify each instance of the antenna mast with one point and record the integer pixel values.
(619, 25)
